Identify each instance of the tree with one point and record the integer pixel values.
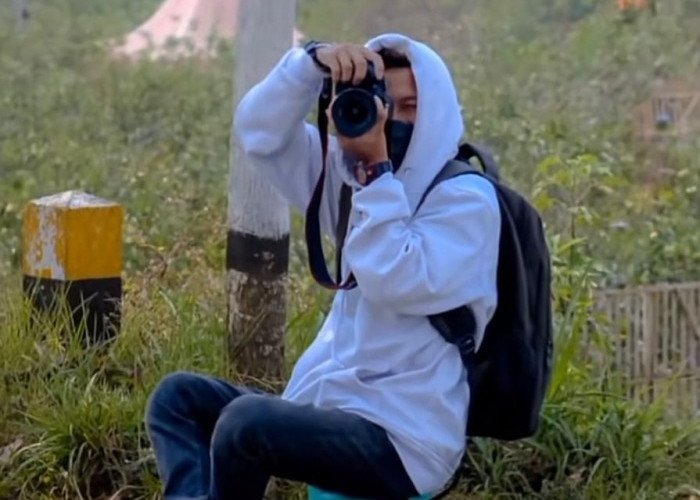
(258, 236)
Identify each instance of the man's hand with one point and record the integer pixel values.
(348, 62)
(370, 147)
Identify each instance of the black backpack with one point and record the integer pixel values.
(509, 375)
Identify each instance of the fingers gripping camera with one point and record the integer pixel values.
(354, 110)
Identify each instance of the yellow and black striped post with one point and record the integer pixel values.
(73, 250)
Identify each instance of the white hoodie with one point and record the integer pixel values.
(377, 354)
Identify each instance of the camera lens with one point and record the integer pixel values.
(354, 112)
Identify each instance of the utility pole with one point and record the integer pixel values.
(21, 13)
(258, 217)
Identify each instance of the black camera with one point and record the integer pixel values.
(354, 110)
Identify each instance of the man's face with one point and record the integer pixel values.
(401, 87)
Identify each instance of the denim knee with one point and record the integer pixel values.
(241, 425)
(170, 394)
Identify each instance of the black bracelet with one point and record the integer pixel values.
(366, 174)
(311, 47)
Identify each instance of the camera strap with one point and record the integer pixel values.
(314, 244)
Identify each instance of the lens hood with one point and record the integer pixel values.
(354, 112)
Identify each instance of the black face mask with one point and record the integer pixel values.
(399, 139)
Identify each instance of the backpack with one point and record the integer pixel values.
(509, 374)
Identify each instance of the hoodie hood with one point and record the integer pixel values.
(439, 125)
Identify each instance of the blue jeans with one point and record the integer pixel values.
(216, 441)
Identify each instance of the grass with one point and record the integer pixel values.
(74, 418)
(155, 138)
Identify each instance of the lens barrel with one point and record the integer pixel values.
(354, 112)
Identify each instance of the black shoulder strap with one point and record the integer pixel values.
(314, 244)
(342, 227)
(461, 165)
(469, 150)
(453, 168)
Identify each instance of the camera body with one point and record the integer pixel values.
(354, 110)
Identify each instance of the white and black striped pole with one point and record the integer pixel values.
(21, 13)
(258, 217)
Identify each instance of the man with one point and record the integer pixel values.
(377, 406)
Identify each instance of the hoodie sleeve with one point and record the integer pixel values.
(270, 127)
(444, 257)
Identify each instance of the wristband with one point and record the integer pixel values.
(311, 47)
(366, 174)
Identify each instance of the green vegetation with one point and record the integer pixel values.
(550, 85)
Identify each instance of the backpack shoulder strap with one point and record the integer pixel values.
(453, 168)
(470, 150)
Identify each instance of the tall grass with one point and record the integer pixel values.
(594, 442)
(74, 418)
